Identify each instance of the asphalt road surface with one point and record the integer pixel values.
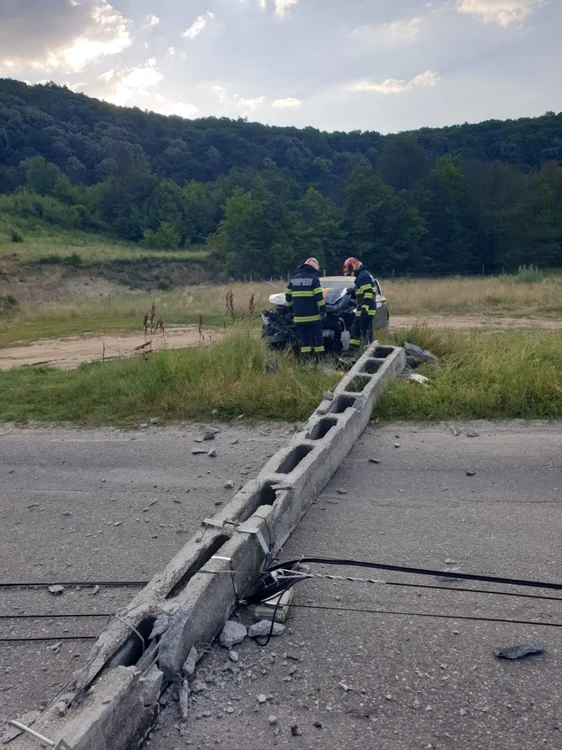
(91, 506)
(341, 680)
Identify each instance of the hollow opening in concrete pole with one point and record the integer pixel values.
(341, 403)
(293, 459)
(371, 366)
(266, 495)
(321, 429)
(198, 563)
(358, 384)
(382, 352)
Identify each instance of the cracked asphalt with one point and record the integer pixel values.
(386, 677)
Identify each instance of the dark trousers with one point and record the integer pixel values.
(362, 331)
(311, 338)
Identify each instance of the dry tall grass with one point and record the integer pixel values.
(475, 296)
(125, 310)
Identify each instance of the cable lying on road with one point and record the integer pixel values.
(279, 578)
(284, 575)
(43, 584)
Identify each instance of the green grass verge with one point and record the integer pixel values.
(230, 376)
(480, 375)
(44, 243)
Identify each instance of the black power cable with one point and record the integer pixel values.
(428, 614)
(268, 590)
(43, 584)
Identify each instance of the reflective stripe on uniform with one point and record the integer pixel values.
(303, 294)
(308, 319)
(306, 349)
(355, 342)
(319, 349)
(363, 289)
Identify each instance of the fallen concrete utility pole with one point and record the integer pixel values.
(114, 699)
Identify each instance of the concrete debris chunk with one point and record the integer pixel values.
(296, 731)
(417, 354)
(143, 426)
(209, 435)
(56, 590)
(198, 687)
(328, 396)
(415, 377)
(472, 434)
(151, 684)
(262, 698)
(212, 453)
(374, 461)
(233, 656)
(154, 421)
(198, 451)
(454, 430)
(232, 633)
(190, 663)
(160, 626)
(518, 652)
(272, 720)
(184, 700)
(229, 485)
(470, 473)
(262, 629)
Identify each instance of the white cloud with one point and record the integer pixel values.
(287, 103)
(152, 20)
(107, 76)
(282, 6)
(133, 82)
(248, 105)
(179, 108)
(108, 35)
(198, 25)
(172, 51)
(398, 86)
(390, 34)
(502, 12)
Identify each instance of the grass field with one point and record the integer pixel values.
(124, 310)
(43, 243)
(479, 375)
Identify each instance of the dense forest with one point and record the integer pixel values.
(260, 198)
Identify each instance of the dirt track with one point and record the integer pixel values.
(68, 353)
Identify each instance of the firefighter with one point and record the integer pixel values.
(305, 301)
(365, 298)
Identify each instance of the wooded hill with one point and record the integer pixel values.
(261, 198)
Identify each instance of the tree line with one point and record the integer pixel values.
(261, 198)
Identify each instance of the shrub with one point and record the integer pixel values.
(166, 237)
(16, 236)
(8, 304)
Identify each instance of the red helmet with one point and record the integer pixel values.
(351, 266)
(313, 263)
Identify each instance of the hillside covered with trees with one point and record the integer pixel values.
(261, 198)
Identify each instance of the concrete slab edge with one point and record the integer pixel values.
(114, 699)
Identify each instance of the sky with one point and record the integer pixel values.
(385, 65)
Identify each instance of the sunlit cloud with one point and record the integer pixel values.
(289, 103)
(502, 12)
(198, 25)
(397, 85)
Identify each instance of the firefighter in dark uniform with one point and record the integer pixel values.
(365, 298)
(305, 300)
